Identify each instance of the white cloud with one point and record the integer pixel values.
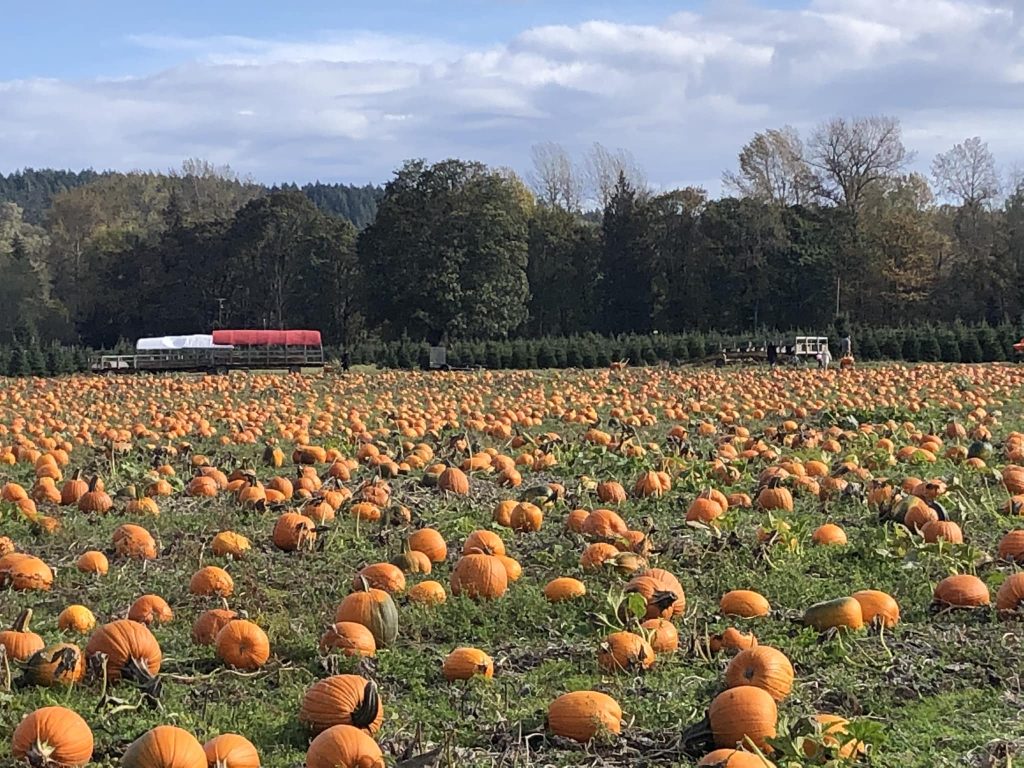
(683, 95)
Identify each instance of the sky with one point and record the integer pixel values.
(343, 91)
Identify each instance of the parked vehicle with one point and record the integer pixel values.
(220, 352)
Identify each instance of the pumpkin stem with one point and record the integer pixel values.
(21, 623)
(364, 714)
(92, 483)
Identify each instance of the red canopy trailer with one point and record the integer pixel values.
(252, 338)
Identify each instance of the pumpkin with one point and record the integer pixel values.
(76, 618)
(429, 542)
(209, 624)
(774, 498)
(704, 510)
(1010, 593)
(293, 531)
(652, 485)
(61, 664)
(660, 602)
(243, 645)
(744, 603)
(878, 607)
(366, 511)
(383, 576)
(343, 746)
(526, 517)
(479, 576)
(229, 750)
(93, 562)
(25, 572)
(52, 736)
(487, 542)
(662, 635)
(1013, 479)
(961, 591)
(211, 580)
(604, 524)
(73, 490)
(412, 561)
(843, 612)
(453, 480)
(741, 713)
(944, 530)
(350, 638)
(731, 639)
(611, 492)
(427, 593)
(733, 758)
(19, 641)
(666, 583)
(342, 700)
(597, 554)
(583, 715)
(165, 746)
(832, 734)
(564, 588)
(95, 500)
(625, 651)
(202, 486)
(230, 544)
(829, 534)
(130, 648)
(134, 542)
(465, 663)
(1011, 546)
(764, 667)
(375, 610)
(151, 609)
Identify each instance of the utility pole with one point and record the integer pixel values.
(839, 281)
(220, 312)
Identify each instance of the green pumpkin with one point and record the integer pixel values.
(980, 449)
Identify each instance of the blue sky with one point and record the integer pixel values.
(347, 91)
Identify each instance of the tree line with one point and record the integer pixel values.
(814, 229)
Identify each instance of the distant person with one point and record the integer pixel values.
(772, 352)
(824, 358)
(845, 346)
(346, 360)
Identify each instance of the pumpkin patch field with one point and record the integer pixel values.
(640, 566)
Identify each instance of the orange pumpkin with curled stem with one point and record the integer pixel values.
(342, 700)
(54, 736)
(130, 648)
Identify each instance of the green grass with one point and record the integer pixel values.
(943, 688)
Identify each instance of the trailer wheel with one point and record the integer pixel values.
(294, 369)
